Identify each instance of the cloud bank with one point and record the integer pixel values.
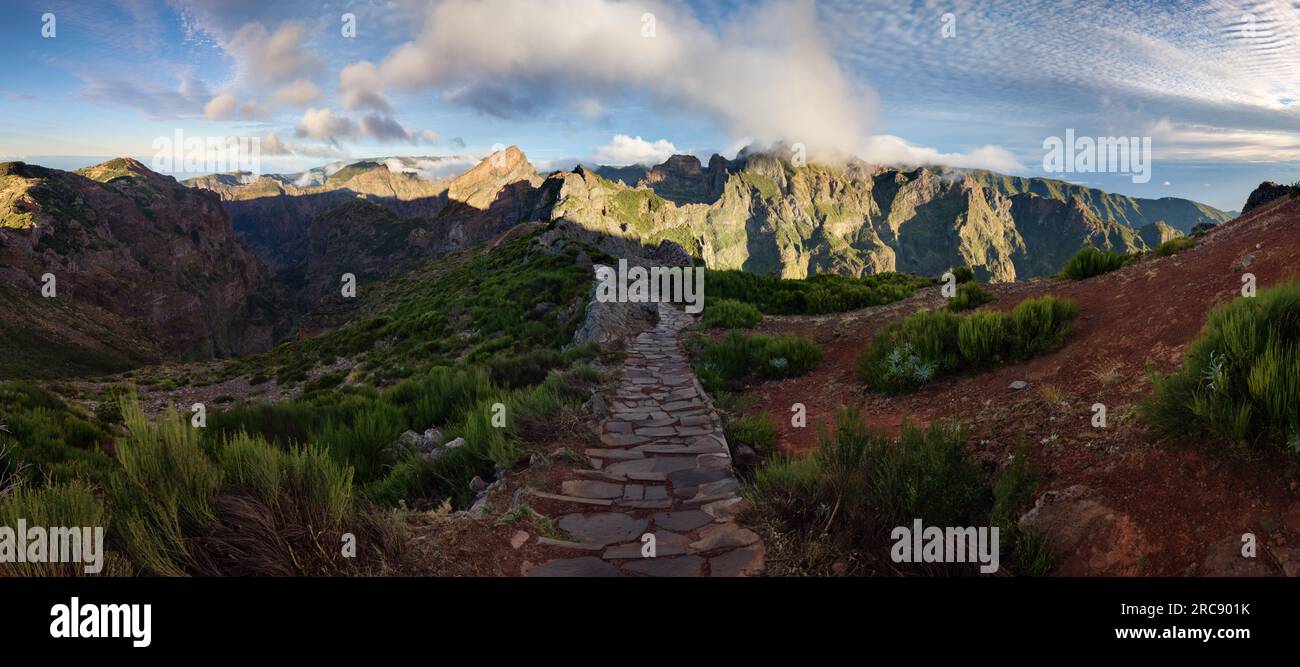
(768, 76)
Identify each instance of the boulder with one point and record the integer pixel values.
(1088, 536)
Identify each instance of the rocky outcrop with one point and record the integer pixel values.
(609, 324)
(1266, 192)
(1158, 232)
(1088, 536)
(132, 249)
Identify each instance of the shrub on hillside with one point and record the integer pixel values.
(840, 503)
(1090, 262)
(54, 441)
(1175, 245)
(963, 274)
(741, 358)
(1240, 380)
(69, 505)
(910, 352)
(756, 430)
(969, 296)
(730, 314)
(822, 293)
(248, 508)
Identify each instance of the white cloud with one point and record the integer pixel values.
(431, 168)
(623, 150)
(254, 111)
(385, 129)
(271, 58)
(770, 77)
(363, 88)
(1189, 142)
(324, 124)
(889, 150)
(220, 107)
(272, 144)
(300, 93)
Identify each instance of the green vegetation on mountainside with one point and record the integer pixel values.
(1240, 380)
(824, 293)
(908, 353)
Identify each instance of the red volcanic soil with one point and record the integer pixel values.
(1175, 509)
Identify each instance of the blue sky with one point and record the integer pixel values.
(1213, 84)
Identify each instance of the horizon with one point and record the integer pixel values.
(605, 83)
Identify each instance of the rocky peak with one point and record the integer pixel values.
(479, 186)
(681, 179)
(122, 167)
(1266, 192)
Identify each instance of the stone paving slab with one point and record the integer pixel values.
(663, 468)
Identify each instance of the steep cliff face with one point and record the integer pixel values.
(760, 213)
(130, 249)
(370, 221)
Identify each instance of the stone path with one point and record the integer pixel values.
(663, 469)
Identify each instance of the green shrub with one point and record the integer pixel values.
(741, 358)
(1175, 245)
(1240, 380)
(1091, 262)
(65, 505)
(166, 491)
(1040, 325)
(969, 296)
(822, 293)
(53, 440)
(756, 430)
(840, 503)
(440, 396)
(963, 274)
(730, 314)
(523, 370)
(985, 338)
(910, 352)
(366, 440)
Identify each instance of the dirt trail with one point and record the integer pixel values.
(1176, 509)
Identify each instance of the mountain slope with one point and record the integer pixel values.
(758, 213)
(145, 268)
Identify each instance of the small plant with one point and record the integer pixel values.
(1091, 262)
(730, 314)
(821, 293)
(963, 274)
(910, 352)
(1238, 382)
(539, 522)
(756, 430)
(1175, 245)
(741, 358)
(840, 503)
(969, 296)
